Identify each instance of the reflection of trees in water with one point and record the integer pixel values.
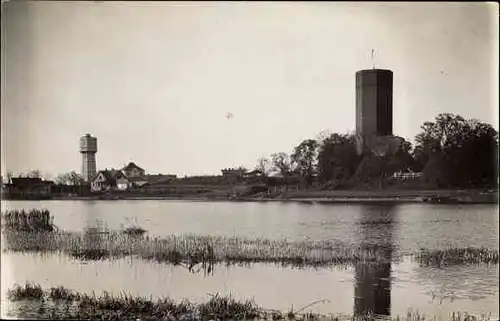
(373, 281)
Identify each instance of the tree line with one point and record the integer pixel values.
(450, 152)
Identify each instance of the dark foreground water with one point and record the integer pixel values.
(387, 289)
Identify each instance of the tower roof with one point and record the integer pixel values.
(374, 71)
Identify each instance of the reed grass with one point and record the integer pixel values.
(31, 221)
(192, 250)
(29, 290)
(62, 303)
(34, 231)
(456, 256)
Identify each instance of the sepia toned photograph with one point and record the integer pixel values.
(249, 160)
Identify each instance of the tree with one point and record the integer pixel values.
(71, 178)
(458, 152)
(337, 158)
(34, 174)
(9, 177)
(473, 161)
(447, 130)
(401, 160)
(283, 164)
(62, 179)
(75, 179)
(371, 171)
(305, 157)
(322, 136)
(264, 165)
(436, 172)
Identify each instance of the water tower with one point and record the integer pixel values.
(374, 112)
(88, 149)
(374, 102)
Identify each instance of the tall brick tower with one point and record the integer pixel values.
(374, 110)
(88, 149)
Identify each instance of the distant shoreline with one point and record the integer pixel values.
(315, 197)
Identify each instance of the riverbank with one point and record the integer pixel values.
(312, 197)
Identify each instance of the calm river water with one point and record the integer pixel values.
(387, 289)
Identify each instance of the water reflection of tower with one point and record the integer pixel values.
(92, 228)
(373, 281)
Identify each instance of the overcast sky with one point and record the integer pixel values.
(154, 81)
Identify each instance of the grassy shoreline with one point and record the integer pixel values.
(207, 251)
(61, 303)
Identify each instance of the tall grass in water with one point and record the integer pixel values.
(193, 250)
(28, 291)
(33, 221)
(454, 256)
(61, 303)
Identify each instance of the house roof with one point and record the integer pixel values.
(110, 175)
(131, 166)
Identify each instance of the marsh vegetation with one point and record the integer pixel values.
(34, 220)
(34, 231)
(190, 250)
(62, 303)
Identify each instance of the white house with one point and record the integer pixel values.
(122, 184)
(109, 179)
